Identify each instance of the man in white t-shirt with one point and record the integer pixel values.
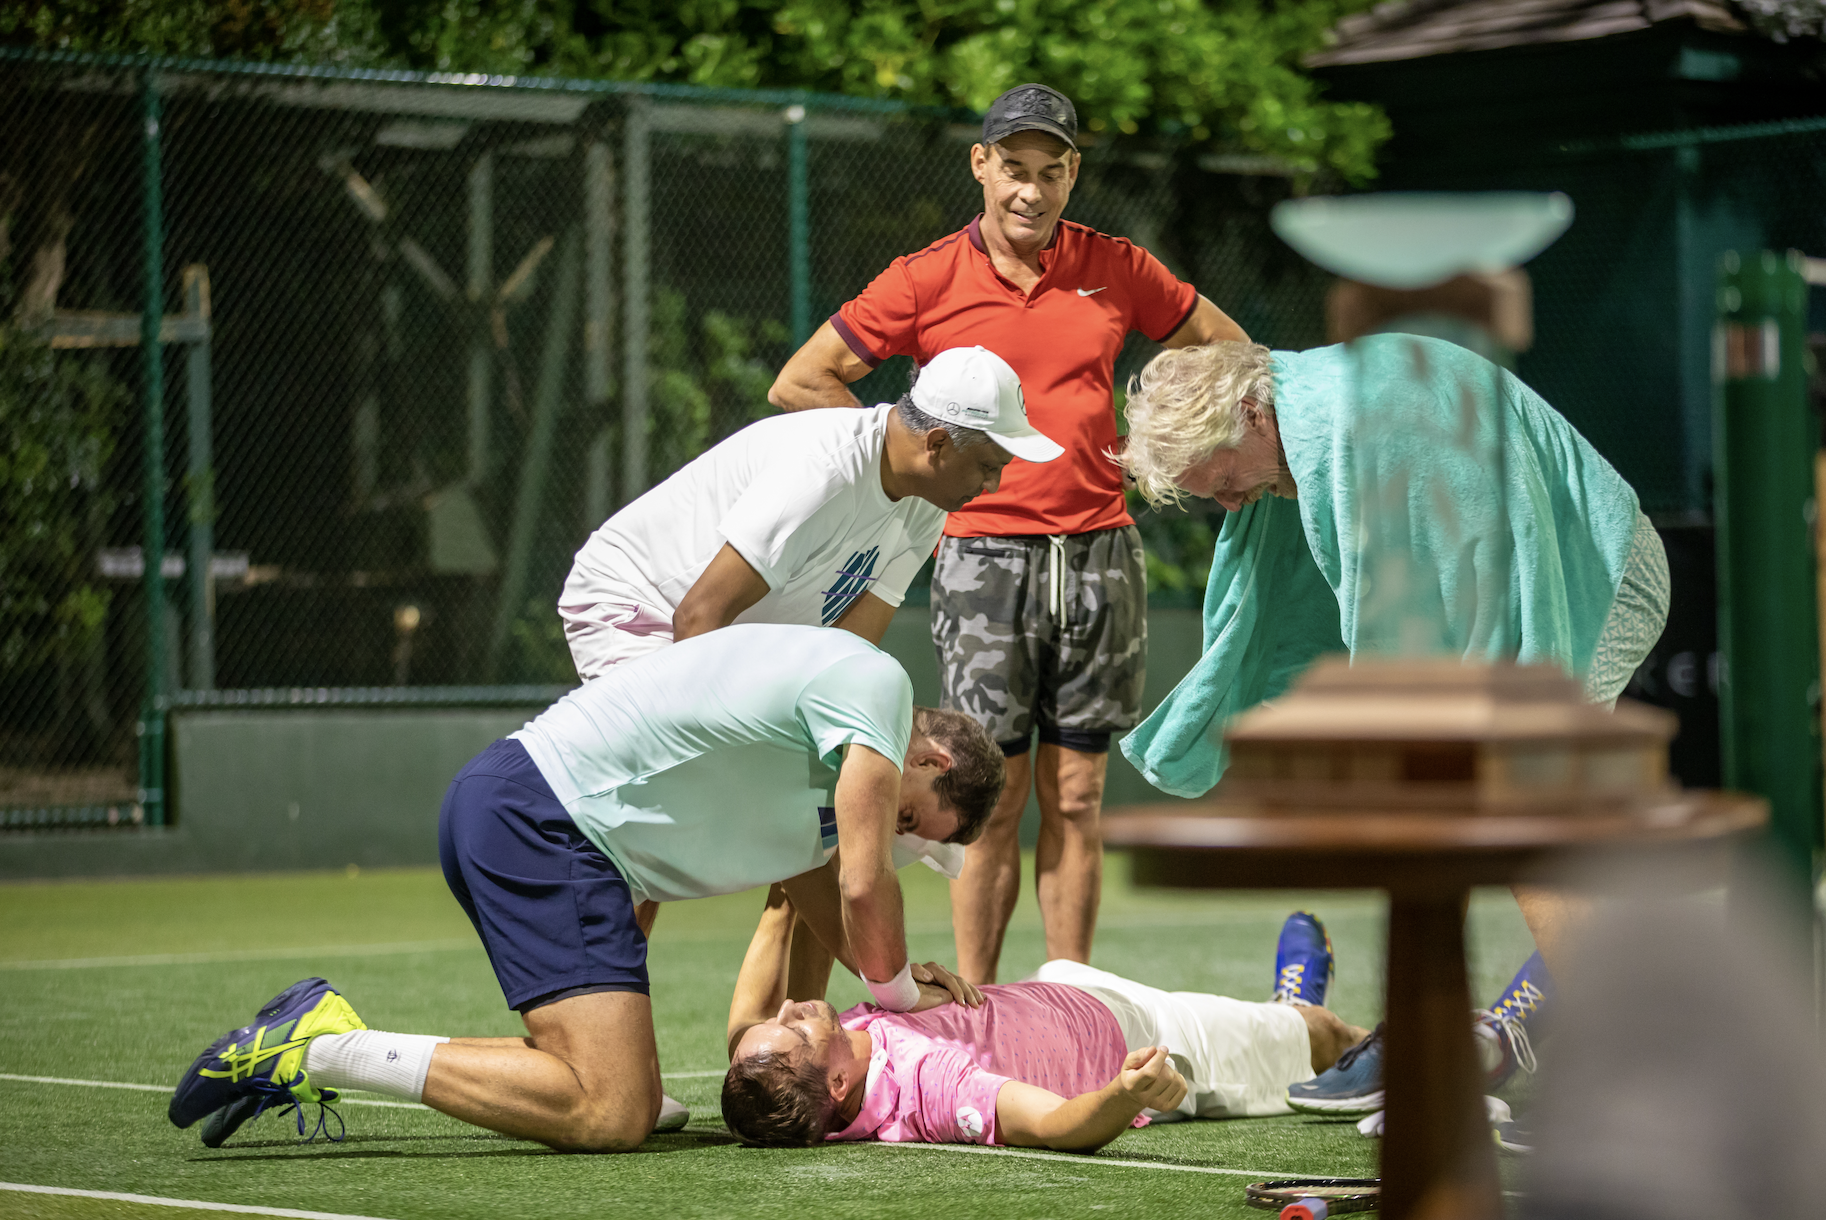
(738, 759)
(819, 518)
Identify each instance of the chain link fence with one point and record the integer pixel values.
(421, 335)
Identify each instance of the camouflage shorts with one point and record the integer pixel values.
(1042, 632)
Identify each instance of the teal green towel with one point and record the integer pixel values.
(1285, 583)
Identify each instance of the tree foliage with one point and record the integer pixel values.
(315, 31)
(1223, 73)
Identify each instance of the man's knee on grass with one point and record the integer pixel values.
(777, 1099)
(597, 1126)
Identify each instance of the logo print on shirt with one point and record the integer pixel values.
(853, 579)
(969, 1121)
(1085, 292)
(827, 827)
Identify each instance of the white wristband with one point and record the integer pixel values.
(898, 994)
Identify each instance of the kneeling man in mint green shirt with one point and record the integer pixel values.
(738, 758)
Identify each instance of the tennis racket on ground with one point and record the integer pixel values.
(1341, 1195)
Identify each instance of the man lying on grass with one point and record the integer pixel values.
(1067, 1059)
(734, 759)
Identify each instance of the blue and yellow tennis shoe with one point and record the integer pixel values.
(263, 1062)
(223, 1123)
(1503, 1041)
(1302, 961)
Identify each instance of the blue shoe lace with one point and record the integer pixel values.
(280, 1095)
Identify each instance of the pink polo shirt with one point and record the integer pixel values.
(934, 1076)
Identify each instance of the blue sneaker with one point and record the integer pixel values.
(1302, 961)
(1352, 1086)
(265, 1060)
(1503, 1043)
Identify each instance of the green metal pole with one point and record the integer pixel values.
(152, 357)
(798, 226)
(1765, 436)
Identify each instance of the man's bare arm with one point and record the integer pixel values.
(868, 616)
(874, 923)
(819, 904)
(760, 987)
(1030, 1117)
(819, 374)
(725, 589)
(1207, 324)
(818, 900)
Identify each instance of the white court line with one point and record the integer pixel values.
(194, 1204)
(1098, 1160)
(245, 955)
(165, 1088)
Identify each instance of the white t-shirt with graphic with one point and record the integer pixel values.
(798, 496)
(711, 765)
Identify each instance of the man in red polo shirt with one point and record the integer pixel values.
(1039, 598)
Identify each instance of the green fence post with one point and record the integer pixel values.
(152, 357)
(1763, 495)
(798, 226)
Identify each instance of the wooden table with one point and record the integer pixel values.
(1438, 1161)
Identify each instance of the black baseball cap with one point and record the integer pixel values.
(1031, 107)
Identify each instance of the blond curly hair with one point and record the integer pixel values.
(1186, 404)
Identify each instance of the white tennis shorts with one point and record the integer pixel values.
(1238, 1057)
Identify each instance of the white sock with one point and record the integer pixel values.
(394, 1064)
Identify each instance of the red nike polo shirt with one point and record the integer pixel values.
(1062, 339)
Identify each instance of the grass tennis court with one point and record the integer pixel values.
(125, 981)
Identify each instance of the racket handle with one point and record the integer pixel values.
(1305, 1209)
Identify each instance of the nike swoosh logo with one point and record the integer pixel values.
(1084, 292)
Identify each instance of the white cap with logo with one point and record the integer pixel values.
(973, 387)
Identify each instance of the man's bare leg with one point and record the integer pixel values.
(1329, 1034)
(1554, 917)
(584, 1079)
(983, 897)
(1068, 860)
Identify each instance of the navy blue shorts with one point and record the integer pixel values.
(553, 911)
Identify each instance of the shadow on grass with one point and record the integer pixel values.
(291, 1150)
